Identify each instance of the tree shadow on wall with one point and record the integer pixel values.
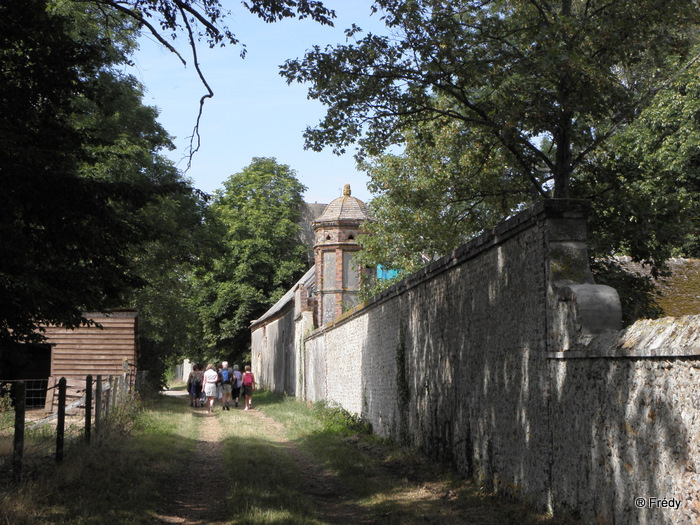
(625, 439)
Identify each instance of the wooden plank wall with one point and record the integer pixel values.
(92, 350)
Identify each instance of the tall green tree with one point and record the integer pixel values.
(645, 190)
(256, 216)
(548, 81)
(644, 185)
(79, 153)
(123, 146)
(169, 328)
(448, 185)
(64, 244)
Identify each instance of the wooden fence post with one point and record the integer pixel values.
(115, 389)
(20, 397)
(98, 405)
(108, 397)
(125, 387)
(88, 406)
(61, 423)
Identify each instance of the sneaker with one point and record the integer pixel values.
(235, 404)
(246, 408)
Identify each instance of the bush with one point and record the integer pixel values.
(336, 419)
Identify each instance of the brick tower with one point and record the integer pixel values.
(337, 278)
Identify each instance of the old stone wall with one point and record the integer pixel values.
(626, 424)
(274, 355)
(505, 358)
(452, 360)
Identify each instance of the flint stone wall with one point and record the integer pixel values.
(506, 359)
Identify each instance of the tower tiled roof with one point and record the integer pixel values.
(346, 207)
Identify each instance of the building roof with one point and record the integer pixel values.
(345, 208)
(680, 291)
(286, 300)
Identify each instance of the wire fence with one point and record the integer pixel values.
(31, 436)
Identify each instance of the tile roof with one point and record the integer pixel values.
(346, 207)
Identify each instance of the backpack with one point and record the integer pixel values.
(247, 379)
(198, 379)
(227, 376)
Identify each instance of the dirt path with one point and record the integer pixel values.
(205, 505)
(204, 468)
(418, 495)
(318, 483)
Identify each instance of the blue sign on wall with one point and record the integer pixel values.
(384, 274)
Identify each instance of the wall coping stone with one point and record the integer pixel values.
(540, 211)
(665, 338)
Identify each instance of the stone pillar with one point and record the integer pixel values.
(578, 309)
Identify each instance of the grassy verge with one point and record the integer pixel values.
(383, 482)
(119, 479)
(128, 477)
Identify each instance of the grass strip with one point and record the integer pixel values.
(130, 476)
(121, 479)
(391, 484)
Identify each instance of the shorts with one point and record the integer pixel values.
(248, 390)
(210, 390)
(227, 388)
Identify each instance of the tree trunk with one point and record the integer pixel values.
(562, 165)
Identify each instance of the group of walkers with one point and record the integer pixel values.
(205, 386)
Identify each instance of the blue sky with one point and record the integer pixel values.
(254, 113)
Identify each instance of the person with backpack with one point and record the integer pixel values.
(237, 384)
(219, 391)
(227, 378)
(190, 386)
(248, 381)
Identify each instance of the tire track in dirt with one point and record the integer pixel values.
(201, 498)
(317, 482)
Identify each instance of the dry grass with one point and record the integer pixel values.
(283, 462)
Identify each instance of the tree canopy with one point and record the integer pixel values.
(549, 82)
(448, 185)
(63, 246)
(261, 254)
(87, 192)
(81, 166)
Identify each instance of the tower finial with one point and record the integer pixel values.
(346, 190)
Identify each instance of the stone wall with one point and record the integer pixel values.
(505, 358)
(274, 355)
(626, 424)
(453, 359)
(277, 339)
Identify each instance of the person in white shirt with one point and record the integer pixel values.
(211, 377)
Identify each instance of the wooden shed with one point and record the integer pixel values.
(108, 349)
